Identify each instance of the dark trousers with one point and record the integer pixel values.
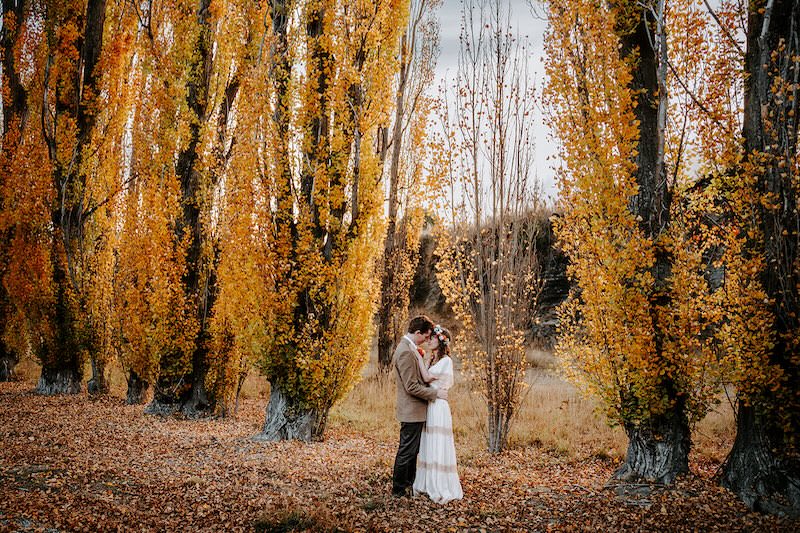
(405, 463)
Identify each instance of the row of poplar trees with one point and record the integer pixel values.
(678, 126)
(195, 187)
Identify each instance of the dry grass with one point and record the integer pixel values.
(714, 435)
(553, 414)
(27, 370)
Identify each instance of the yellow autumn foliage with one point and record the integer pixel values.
(623, 336)
(300, 225)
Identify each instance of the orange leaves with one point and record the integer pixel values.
(298, 212)
(706, 88)
(152, 316)
(628, 326)
(613, 337)
(103, 466)
(41, 182)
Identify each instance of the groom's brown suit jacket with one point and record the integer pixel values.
(413, 394)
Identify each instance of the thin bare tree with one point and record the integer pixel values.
(488, 268)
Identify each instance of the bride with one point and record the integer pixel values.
(437, 475)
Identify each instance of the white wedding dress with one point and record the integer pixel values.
(437, 473)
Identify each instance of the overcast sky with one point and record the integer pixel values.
(529, 24)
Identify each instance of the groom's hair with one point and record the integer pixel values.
(420, 323)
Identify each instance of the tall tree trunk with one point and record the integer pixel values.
(137, 389)
(763, 467)
(8, 361)
(62, 365)
(658, 448)
(311, 225)
(98, 383)
(92, 48)
(286, 419)
(54, 380)
(764, 480)
(286, 416)
(286, 228)
(198, 281)
(499, 424)
(391, 295)
(15, 112)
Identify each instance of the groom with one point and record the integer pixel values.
(413, 395)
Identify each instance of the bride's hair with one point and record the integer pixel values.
(444, 337)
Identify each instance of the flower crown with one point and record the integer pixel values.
(439, 333)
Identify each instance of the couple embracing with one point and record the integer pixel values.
(426, 456)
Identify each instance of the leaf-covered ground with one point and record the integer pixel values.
(73, 463)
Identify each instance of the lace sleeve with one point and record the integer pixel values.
(446, 377)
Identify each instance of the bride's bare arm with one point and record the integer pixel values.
(427, 377)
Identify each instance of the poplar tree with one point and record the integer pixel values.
(607, 93)
(402, 148)
(488, 267)
(14, 106)
(324, 212)
(46, 170)
(763, 466)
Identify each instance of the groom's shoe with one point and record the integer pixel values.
(405, 493)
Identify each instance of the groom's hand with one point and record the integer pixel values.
(441, 394)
